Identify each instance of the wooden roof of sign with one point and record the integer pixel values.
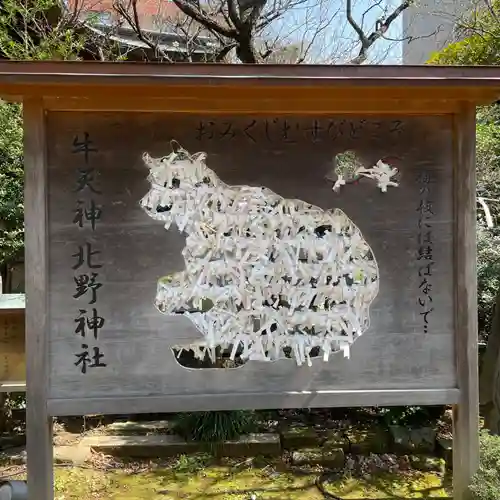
(223, 88)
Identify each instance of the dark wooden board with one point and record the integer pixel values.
(292, 158)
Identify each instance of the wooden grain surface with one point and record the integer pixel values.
(38, 422)
(466, 413)
(252, 401)
(101, 81)
(350, 101)
(291, 157)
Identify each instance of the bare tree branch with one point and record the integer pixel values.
(369, 9)
(134, 21)
(251, 29)
(381, 27)
(357, 28)
(199, 15)
(410, 38)
(225, 51)
(320, 29)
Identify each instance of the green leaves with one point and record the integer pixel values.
(37, 29)
(11, 183)
(214, 426)
(475, 50)
(488, 239)
(29, 29)
(486, 483)
(481, 45)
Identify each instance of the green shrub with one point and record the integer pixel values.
(486, 483)
(11, 183)
(412, 416)
(214, 426)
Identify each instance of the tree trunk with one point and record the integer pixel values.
(245, 49)
(489, 381)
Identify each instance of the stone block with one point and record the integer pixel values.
(337, 439)
(251, 445)
(294, 438)
(138, 428)
(329, 458)
(161, 446)
(154, 446)
(77, 455)
(366, 441)
(407, 440)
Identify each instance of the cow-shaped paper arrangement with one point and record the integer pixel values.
(263, 274)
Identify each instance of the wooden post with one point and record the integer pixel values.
(38, 423)
(466, 413)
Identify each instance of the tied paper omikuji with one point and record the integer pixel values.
(263, 274)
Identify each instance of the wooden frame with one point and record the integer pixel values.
(280, 89)
(257, 401)
(38, 422)
(466, 412)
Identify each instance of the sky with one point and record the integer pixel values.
(336, 41)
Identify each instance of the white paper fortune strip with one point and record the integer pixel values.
(263, 273)
(349, 168)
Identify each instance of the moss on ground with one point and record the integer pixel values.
(195, 478)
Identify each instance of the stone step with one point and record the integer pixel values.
(409, 440)
(131, 428)
(252, 445)
(331, 458)
(153, 446)
(163, 446)
(295, 438)
(76, 454)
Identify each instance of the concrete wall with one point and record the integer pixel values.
(428, 27)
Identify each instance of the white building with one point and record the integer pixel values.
(428, 27)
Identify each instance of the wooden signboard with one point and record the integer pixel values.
(97, 341)
(109, 346)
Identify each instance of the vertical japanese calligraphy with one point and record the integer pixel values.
(425, 255)
(87, 215)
